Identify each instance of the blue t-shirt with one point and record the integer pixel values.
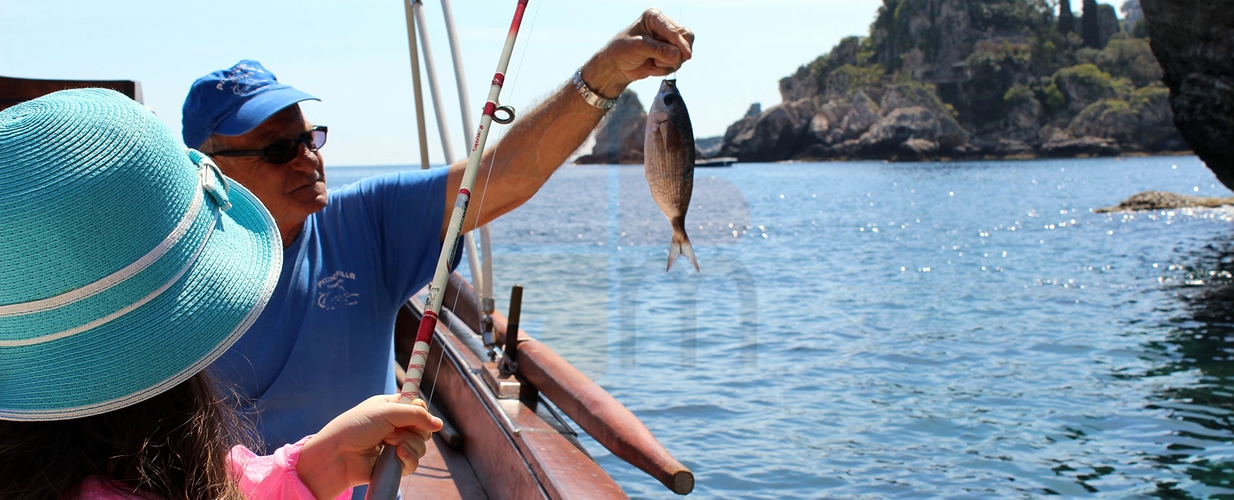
(325, 341)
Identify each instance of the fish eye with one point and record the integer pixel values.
(670, 99)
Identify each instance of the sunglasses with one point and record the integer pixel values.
(284, 150)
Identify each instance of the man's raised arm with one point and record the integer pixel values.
(541, 140)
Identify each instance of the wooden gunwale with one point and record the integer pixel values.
(590, 406)
(514, 452)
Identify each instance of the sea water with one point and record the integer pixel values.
(896, 330)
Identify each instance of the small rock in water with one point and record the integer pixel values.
(1156, 200)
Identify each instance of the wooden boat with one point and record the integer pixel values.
(504, 439)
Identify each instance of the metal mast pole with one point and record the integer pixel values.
(484, 285)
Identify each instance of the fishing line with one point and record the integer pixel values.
(513, 88)
(681, 8)
(384, 481)
(527, 40)
(487, 178)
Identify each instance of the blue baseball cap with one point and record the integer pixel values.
(234, 101)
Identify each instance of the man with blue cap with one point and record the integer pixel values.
(353, 256)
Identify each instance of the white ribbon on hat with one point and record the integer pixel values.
(207, 173)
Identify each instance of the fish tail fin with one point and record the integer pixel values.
(681, 246)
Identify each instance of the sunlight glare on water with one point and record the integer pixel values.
(897, 330)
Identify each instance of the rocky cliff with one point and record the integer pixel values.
(619, 139)
(1194, 41)
(963, 79)
(620, 136)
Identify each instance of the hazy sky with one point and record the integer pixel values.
(354, 56)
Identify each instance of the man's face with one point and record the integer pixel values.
(290, 191)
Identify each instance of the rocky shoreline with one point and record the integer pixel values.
(909, 123)
(939, 80)
(955, 80)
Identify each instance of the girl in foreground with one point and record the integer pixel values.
(128, 265)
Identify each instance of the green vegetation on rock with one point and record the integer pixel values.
(1125, 57)
(1084, 84)
(1013, 75)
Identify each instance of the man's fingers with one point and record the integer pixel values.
(664, 29)
(656, 54)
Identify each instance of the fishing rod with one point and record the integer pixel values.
(386, 472)
(479, 258)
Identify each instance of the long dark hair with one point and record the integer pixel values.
(173, 446)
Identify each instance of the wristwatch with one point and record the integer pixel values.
(591, 96)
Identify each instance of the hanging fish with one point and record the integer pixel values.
(668, 155)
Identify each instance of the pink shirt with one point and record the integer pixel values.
(259, 477)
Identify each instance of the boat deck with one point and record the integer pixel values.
(444, 474)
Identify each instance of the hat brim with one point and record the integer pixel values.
(161, 343)
(260, 108)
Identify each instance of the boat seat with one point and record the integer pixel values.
(16, 90)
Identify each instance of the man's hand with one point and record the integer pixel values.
(653, 46)
(342, 454)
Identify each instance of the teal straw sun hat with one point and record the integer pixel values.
(127, 262)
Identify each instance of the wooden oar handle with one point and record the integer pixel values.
(603, 417)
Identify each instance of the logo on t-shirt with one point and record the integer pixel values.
(332, 291)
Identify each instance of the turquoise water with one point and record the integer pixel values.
(966, 330)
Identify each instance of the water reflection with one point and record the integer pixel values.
(921, 331)
(1200, 345)
(645, 286)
